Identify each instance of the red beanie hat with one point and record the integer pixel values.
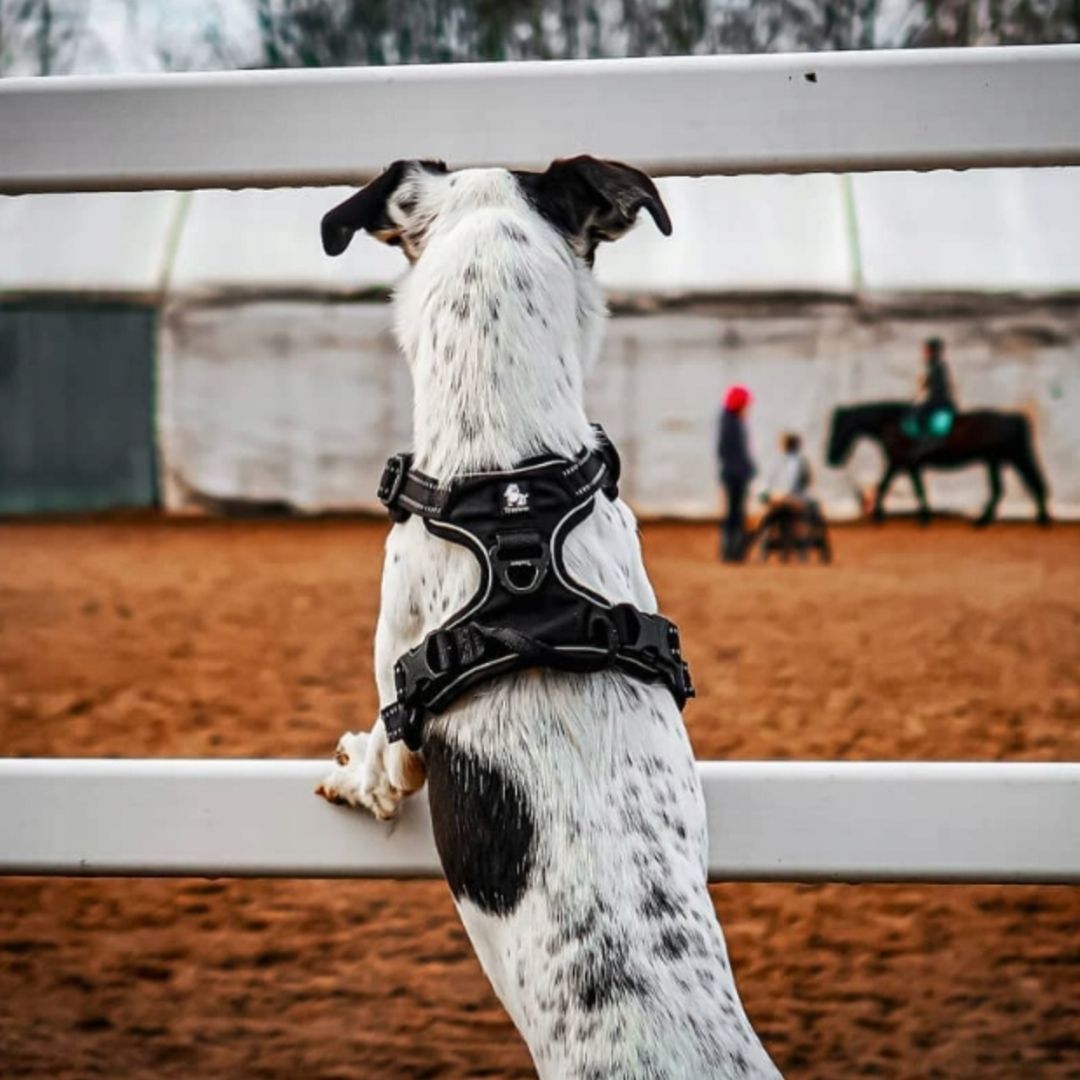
(737, 398)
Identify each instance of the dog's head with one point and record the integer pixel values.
(584, 199)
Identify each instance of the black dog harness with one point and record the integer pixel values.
(528, 610)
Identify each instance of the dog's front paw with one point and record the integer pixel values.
(359, 777)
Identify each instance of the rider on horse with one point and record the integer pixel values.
(931, 418)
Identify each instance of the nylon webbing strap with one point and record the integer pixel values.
(404, 490)
(451, 661)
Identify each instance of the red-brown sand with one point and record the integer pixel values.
(149, 638)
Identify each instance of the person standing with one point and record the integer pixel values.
(736, 471)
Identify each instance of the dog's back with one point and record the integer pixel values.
(567, 809)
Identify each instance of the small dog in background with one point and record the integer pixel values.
(567, 809)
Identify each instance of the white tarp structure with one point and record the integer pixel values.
(1002, 230)
(268, 241)
(102, 244)
(815, 290)
(740, 234)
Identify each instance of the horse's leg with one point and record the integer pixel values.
(993, 471)
(1028, 467)
(882, 488)
(920, 494)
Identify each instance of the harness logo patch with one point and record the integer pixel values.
(515, 499)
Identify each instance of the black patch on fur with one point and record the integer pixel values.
(470, 428)
(577, 931)
(602, 973)
(483, 827)
(659, 903)
(514, 232)
(673, 944)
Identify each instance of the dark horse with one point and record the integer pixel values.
(994, 438)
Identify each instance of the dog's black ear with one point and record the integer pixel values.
(589, 200)
(369, 208)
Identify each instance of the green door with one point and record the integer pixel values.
(76, 406)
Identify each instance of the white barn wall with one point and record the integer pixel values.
(273, 391)
(300, 402)
(662, 378)
(277, 402)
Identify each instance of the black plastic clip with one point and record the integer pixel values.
(393, 480)
(405, 724)
(687, 688)
(610, 456)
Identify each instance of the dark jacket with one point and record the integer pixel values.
(732, 448)
(938, 386)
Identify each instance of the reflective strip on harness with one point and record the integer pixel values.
(528, 611)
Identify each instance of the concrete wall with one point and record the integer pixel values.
(300, 402)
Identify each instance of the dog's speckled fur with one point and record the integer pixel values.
(567, 809)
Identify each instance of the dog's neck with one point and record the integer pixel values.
(499, 322)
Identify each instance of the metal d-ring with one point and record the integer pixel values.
(520, 561)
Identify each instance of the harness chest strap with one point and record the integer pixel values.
(528, 611)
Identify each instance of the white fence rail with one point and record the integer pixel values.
(833, 112)
(689, 116)
(783, 821)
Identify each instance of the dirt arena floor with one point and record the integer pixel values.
(145, 638)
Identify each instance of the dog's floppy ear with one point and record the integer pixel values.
(589, 200)
(369, 209)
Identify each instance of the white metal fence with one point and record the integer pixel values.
(791, 821)
(836, 112)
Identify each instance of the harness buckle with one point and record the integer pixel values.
(520, 561)
(448, 649)
(391, 483)
(610, 456)
(609, 635)
(688, 690)
(404, 723)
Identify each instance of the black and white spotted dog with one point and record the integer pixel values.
(567, 809)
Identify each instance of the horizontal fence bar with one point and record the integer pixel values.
(768, 821)
(920, 109)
